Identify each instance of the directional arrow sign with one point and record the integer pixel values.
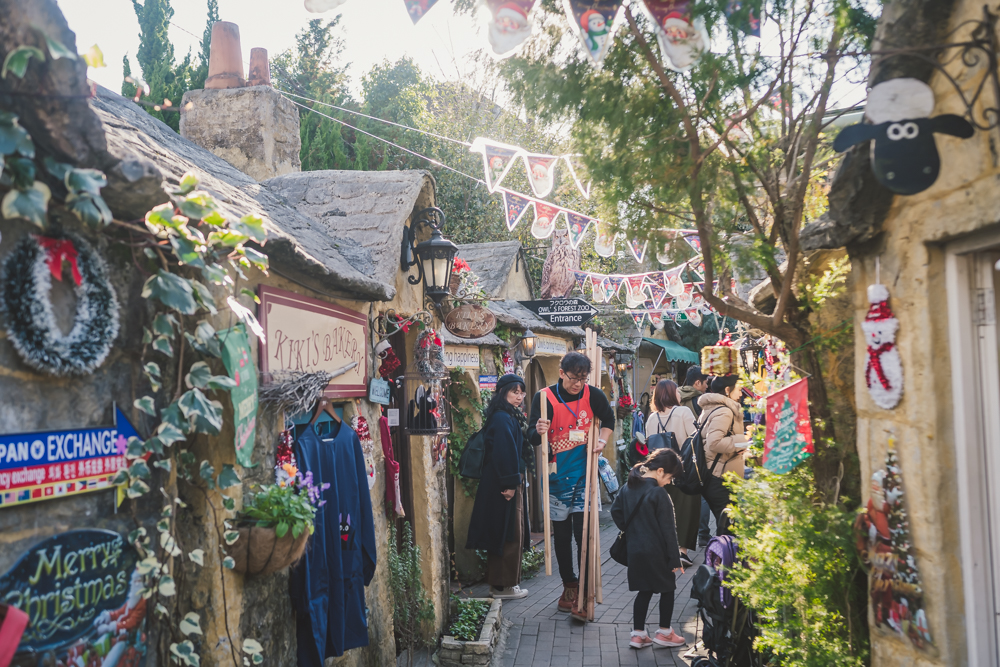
(39, 466)
(562, 312)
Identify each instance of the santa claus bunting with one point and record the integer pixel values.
(508, 26)
(883, 368)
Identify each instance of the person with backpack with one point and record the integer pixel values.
(678, 421)
(724, 443)
(695, 385)
(645, 515)
(573, 405)
(497, 522)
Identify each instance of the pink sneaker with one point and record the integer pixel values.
(640, 640)
(671, 640)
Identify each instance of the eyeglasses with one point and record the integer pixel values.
(575, 378)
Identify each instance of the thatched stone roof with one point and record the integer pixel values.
(492, 262)
(360, 213)
(297, 242)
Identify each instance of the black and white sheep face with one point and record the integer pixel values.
(904, 155)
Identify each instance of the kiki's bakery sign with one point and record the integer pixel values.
(309, 335)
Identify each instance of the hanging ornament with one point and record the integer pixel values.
(390, 364)
(904, 155)
(638, 249)
(25, 283)
(682, 40)
(545, 220)
(417, 8)
(497, 160)
(541, 173)
(884, 369)
(595, 22)
(604, 242)
(578, 225)
(744, 17)
(284, 454)
(515, 206)
(509, 25)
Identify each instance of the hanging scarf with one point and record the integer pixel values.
(875, 361)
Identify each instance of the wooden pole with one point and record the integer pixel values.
(595, 556)
(584, 590)
(599, 593)
(547, 521)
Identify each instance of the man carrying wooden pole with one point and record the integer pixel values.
(574, 405)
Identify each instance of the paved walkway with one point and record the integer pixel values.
(541, 636)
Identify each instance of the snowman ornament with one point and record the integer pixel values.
(884, 369)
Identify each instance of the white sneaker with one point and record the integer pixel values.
(512, 593)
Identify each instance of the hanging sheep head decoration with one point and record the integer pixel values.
(904, 156)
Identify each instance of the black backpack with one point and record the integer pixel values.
(471, 463)
(696, 469)
(662, 438)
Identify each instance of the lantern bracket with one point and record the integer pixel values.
(432, 217)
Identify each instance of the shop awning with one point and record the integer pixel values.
(674, 352)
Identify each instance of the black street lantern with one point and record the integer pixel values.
(433, 257)
(528, 341)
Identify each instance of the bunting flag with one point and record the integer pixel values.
(595, 22)
(616, 282)
(541, 171)
(516, 206)
(659, 279)
(675, 286)
(509, 25)
(682, 40)
(595, 289)
(656, 318)
(638, 317)
(497, 160)
(578, 225)
(684, 298)
(694, 241)
(584, 190)
(581, 279)
(609, 290)
(545, 220)
(638, 251)
(658, 294)
(636, 285)
(743, 17)
(694, 316)
(604, 242)
(417, 8)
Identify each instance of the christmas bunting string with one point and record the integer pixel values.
(509, 26)
(498, 158)
(417, 8)
(682, 39)
(595, 23)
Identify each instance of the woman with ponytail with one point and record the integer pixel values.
(643, 510)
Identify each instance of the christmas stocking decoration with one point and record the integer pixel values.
(883, 370)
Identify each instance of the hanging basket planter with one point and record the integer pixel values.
(259, 551)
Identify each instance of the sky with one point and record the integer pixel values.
(374, 30)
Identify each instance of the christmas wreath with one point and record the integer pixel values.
(27, 275)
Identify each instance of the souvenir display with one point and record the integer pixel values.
(26, 276)
(884, 369)
(904, 155)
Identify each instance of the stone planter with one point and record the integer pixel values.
(259, 551)
(458, 653)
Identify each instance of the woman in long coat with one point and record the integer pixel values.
(497, 523)
(644, 511)
(725, 443)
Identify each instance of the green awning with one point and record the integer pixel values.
(674, 352)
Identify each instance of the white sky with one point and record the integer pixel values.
(374, 30)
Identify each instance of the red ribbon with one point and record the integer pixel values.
(875, 361)
(57, 251)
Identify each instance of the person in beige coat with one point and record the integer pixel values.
(725, 443)
(671, 416)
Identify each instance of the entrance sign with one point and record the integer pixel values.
(461, 356)
(470, 320)
(305, 334)
(562, 312)
(83, 596)
(239, 365)
(788, 440)
(51, 464)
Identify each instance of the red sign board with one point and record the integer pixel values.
(309, 335)
(788, 440)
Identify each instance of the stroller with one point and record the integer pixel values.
(728, 627)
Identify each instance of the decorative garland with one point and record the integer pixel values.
(31, 324)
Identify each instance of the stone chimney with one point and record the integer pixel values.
(246, 122)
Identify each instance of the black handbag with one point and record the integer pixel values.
(619, 549)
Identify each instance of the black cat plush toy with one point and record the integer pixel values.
(904, 156)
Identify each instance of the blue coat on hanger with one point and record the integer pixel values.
(328, 584)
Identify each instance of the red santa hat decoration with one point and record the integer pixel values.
(884, 369)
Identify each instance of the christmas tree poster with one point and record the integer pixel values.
(788, 440)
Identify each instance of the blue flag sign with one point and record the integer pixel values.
(38, 466)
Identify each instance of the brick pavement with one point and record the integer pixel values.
(542, 636)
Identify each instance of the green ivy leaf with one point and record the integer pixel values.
(139, 469)
(197, 205)
(137, 489)
(257, 658)
(172, 415)
(231, 536)
(163, 525)
(168, 433)
(197, 556)
(204, 296)
(207, 473)
(147, 336)
(252, 227)
(31, 204)
(252, 646)
(228, 503)
(120, 478)
(228, 563)
(216, 274)
(166, 586)
(188, 252)
(162, 344)
(258, 259)
(190, 624)
(91, 209)
(85, 180)
(13, 137)
(163, 464)
(57, 49)
(204, 414)
(172, 291)
(148, 565)
(16, 61)
(250, 293)
(221, 382)
(198, 375)
(57, 169)
(162, 219)
(154, 445)
(94, 57)
(136, 448)
(146, 404)
(228, 477)
(152, 369)
(204, 339)
(227, 238)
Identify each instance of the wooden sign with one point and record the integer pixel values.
(470, 320)
(461, 356)
(551, 346)
(305, 334)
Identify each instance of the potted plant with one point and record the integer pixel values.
(458, 269)
(277, 522)
(625, 406)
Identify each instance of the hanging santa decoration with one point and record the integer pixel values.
(509, 25)
(682, 39)
(883, 369)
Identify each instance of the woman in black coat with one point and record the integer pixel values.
(497, 523)
(651, 536)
